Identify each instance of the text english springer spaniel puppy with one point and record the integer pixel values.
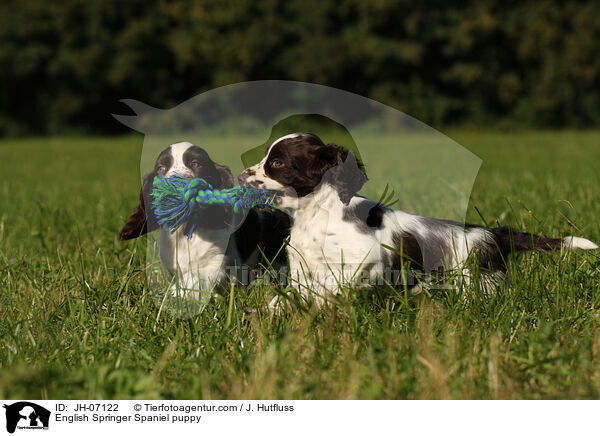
(217, 252)
(339, 238)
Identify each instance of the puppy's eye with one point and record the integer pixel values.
(161, 169)
(276, 163)
(194, 164)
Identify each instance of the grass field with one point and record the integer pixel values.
(76, 320)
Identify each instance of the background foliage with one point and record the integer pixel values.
(64, 65)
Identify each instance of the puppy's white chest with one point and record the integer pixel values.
(197, 260)
(326, 251)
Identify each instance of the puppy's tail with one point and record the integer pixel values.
(572, 242)
(509, 239)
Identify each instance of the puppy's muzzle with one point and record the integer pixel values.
(247, 179)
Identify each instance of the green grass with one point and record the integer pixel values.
(77, 321)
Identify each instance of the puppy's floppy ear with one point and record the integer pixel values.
(142, 220)
(225, 176)
(342, 171)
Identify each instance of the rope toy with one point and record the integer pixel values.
(177, 199)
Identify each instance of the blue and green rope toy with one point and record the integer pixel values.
(177, 200)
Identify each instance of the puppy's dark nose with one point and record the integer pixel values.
(242, 178)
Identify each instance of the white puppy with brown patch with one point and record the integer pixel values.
(339, 238)
(217, 252)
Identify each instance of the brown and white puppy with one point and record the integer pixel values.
(216, 252)
(339, 238)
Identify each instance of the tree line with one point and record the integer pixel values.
(64, 65)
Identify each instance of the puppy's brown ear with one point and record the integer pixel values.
(142, 220)
(225, 176)
(344, 172)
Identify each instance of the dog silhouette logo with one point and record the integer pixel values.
(26, 415)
